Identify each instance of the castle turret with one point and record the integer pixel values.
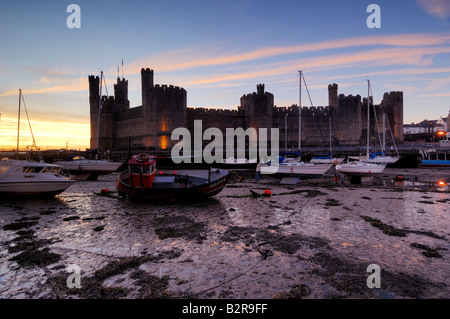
(94, 95)
(333, 99)
(121, 91)
(392, 104)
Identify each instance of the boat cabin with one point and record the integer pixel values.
(142, 170)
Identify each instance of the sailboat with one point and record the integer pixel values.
(363, 167)
(294, 167)
(25, 177)
(381, 157)
(327, 159)
(90, 169)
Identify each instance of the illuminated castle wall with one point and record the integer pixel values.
(164, 108)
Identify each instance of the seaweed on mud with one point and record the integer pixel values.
(180, 227)
(425, 202)
(66, 219)
(20, 224)
(350, 279)
(332, 202)
(287, 244)
(35, 257)
(427, 251)
(313, 193)
(297, 292)
(30, 250)
(346, 276)
(150, 286)
(387, 229)
(392, 231)
(48, 212)
(99, 228)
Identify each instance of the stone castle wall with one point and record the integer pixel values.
(164, 108)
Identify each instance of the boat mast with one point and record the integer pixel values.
(98, 118)
(285, 133)
(331, 136)
(18, 124)
(300, 113)
(384, 134)
(368, 118)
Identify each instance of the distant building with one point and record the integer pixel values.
(164, 108)
(427, 129)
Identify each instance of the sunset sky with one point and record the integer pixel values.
(218, 51)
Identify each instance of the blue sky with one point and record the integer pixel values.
(218, 51)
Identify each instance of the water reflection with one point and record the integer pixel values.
(440, 185)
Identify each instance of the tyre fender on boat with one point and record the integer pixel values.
(142, 157)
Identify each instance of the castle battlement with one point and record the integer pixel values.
(169, 88)
(164, 108)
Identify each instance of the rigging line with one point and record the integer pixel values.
(104, 82)
(28, 118)
(393, 139)
(310, 100)
(376, 118)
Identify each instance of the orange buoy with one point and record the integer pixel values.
(104, 191)
(267, 192)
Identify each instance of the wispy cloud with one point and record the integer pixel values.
(206, 56)
(68, 85)
(436, 8)
(411, 56)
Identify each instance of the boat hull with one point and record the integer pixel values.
(44, 188)
(171, 193)
(87, 167)
(295, 169)
(360, 170)
(435, 163)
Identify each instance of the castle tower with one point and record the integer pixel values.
(392, 104)
(94, 95)
(333, 99)
(258, 108)
(149, 108)
(121, 91)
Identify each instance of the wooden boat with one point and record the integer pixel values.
(144, 180)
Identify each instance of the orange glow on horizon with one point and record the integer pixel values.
(47, 134)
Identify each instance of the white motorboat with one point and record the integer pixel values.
(19, 177)
(25, 177)
(87, 168)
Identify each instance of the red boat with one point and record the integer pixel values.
(144, 180)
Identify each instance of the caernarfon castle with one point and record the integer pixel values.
(164, 108)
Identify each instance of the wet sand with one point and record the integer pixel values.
(313, 240)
